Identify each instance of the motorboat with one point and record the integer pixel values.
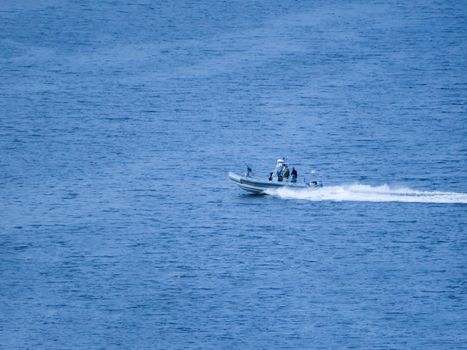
(258, 186)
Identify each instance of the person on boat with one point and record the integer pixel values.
(294, 175)
(279, 169)
(270, 177)
(248, 171)
(286, 173)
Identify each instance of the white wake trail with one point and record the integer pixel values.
(366, 193)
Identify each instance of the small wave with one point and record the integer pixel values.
(366, 193)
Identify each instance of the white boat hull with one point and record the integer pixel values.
(252, 185)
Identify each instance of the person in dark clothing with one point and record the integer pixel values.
(294, 175)
(286, 173)
(248, 171)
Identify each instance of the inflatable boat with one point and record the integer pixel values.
(258, 186)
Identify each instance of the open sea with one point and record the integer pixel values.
(119, 121)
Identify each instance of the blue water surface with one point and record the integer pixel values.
(120, 120)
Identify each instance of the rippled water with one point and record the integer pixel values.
(120, 121)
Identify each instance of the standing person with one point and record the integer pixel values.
(294, 175)
(249, 171)
(278, 169)
(286, 173)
